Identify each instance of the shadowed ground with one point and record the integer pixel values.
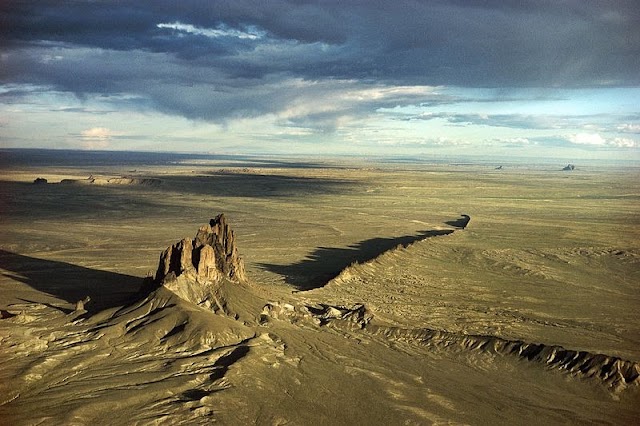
(461, 222)
(70, 282)
(326, 263)
(247, 184)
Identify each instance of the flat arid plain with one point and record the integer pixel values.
(364, 299)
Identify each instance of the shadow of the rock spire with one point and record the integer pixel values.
(71, 283)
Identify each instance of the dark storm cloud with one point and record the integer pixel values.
(212, 59)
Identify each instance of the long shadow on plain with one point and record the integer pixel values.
(71, 282)
(325, 263)
(247, 184)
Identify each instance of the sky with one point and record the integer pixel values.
(540, 78)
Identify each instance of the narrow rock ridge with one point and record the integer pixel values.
(355, 268)
(614, 373)
(194, 268)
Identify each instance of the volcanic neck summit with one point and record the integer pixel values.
(195, 269)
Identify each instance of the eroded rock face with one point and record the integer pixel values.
(194, 268)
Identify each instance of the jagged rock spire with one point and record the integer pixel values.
(192, 268)
(211, 255)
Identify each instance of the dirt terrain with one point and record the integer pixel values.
(366, 297)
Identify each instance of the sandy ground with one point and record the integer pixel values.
(521, 318)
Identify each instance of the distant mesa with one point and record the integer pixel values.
(40, 181)
(569, 167)
(194, 268)
(122, 180)
(460, 223)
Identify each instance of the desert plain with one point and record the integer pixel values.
(365, 300)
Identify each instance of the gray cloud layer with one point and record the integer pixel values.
(217, 59)
(595, 122)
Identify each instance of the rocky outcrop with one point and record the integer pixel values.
(356, 316)
(460, 223)
(194, 268)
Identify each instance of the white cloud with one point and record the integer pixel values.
(516, 141)
(414, 141)
(629, 128)
(595, 139)
(340, 96)
(220, 31)
(97, 133)
(624, 143)
(96, 138)
(587, 139)
(50, 58)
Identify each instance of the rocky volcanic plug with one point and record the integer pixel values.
(194, 269)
